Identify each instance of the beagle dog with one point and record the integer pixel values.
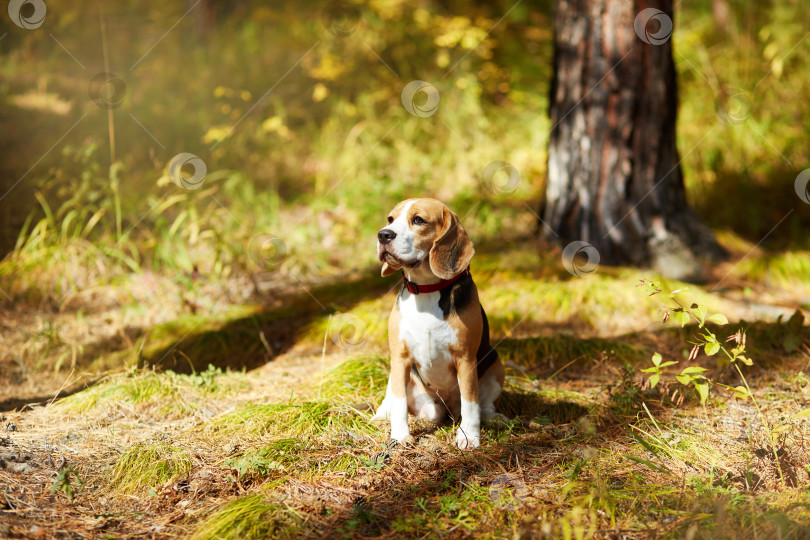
(441, 359)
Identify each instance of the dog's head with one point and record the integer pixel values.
(423, 231)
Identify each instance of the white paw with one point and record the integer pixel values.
(401, 436)
(383, 414)
(467, 440)
(400, 433)
(407, 441)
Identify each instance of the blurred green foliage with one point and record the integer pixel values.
(305, 137)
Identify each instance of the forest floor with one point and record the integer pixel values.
(185, 416)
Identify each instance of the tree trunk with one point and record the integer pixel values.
(614, 175)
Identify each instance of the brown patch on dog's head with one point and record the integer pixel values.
(436, 233)
(452, 249)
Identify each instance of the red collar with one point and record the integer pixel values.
(414, 288)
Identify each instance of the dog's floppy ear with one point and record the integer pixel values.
(387, 270)
(452, 251)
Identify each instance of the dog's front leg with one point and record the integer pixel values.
(469, 432)
(400, 376)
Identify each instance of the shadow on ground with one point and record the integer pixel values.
(765, 203)
(250, 341)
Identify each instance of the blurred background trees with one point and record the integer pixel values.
(296, 111)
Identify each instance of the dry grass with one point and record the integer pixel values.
(288, 449)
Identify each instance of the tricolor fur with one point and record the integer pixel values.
(441, 358)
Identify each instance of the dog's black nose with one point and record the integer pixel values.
(386, 235)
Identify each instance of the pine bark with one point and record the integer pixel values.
(614, 173)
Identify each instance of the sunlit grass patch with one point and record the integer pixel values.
(361, 328)
(496, 263)
(297, 457)
(789, 269)
(305, 419)
(558, 352)
(276, 457)
(149, 387)
(362, 377)
(602, 304)
(250, 516)
(133, 389)
(346, 462)
(41, 271)
(146, 466)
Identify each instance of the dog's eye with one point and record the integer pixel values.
(418, 221)
(390, 219)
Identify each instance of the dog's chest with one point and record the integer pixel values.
(428, 337)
